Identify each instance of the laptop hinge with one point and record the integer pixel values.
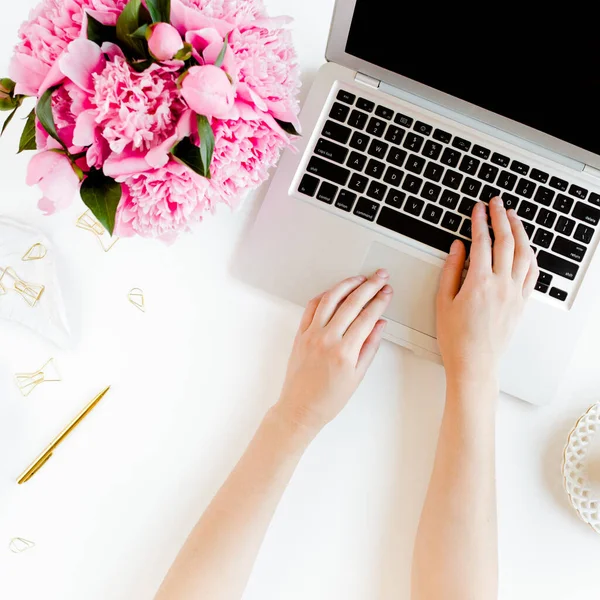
(366, 80)
(592, 171)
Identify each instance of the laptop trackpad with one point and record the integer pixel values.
(415, 284)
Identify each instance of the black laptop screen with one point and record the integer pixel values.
(538, 67)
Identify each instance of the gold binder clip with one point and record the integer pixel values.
(36, 252)
(18, 545)
(27, 382)
(88, 222)
(30, 292)
(136, 297)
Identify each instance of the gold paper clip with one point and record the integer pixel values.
(88, 222)
(27, 382)
(36, 252)
(30, 292)
(136, 297)
(18, 545)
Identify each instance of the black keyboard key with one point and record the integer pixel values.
(563, 203)
(345, 200)
(466, 206)
(507, 180)
(376, 127)
(488, 173)
(395, 198)
(570, 249)
(449, 199)
(413, 142)
(414, 206)
(510, 201)
(433, 171)
(415, 164)
(583, 233)
(488, 193)
(384, 113)
(327, 170)
(541, 287)
(337, 132)
(366, 209)
(469, 165)
(393, 176)
(471, 187)
(416, 230)
(500, 159)
(432, 150)
(480, 152)
(431, 191)
(327, 192)
(365, 105)
(423, 128)
(525, 188)
(396, 156)
(432, 213)
(375, 169)
(557, 265)
(467, 229)
(558, 294)
(358, 119)
(529, 228)
(545, 278)
(452, 179)
(565, 226)
(519, 167)
(412, 184)
(356, 161)
(358, 183)
(587, 213)
(527, 210)
(450, 157)
(544, 196)
(594, 199)
(442, 136)
(559, 184)
(403, 120)
(461, 144)
(308, 186)
(378, 149)
(331, 150)
(451, 221)
(394, 134)
(346, 97)
(546, 218)
(580, 192)
(377, 190)
(359, 141)
(543, 238)
(339, 112)
(538, 175)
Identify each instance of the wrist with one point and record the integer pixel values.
(290, 426)
(480, 388)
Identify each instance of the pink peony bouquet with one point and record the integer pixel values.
(155, 111)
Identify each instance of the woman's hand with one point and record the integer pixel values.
(338, 338)
(476, 319)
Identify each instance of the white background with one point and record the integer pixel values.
(191, 380)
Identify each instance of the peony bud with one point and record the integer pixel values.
(164, 41)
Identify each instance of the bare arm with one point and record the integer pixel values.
(338, 338)
(456, 550)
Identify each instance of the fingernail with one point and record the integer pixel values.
(387, 289)
(383, 273)
(361, 278)
(497, 201)
(454, 247)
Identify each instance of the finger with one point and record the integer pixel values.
(371, 346)
(356, 301)
(481, 248)
(331, 299)
(523, 252)
(504, 243)
(363, 325)
(309, 314)
(532, 275)
(452, 272)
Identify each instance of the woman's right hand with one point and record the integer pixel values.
(476, 318)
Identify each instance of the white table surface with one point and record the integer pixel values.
(191, 380)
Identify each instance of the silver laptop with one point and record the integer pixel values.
(417, 115)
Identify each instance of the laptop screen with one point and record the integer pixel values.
(537, 67)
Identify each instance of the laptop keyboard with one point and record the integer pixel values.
(419, 181)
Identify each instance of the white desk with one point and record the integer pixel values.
(192, 378)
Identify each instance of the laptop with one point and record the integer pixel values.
(420, 112)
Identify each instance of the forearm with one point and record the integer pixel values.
(456, 555)
(217, 559)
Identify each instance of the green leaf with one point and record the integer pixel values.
(185, 53)
(287, 127)
(141, 33)
(7, 104)
(207, 144)
(8, 120)
(99, 33)
(27, 141)
(160, 10)
(45, 117)
(128, 23)
(221, 56)
(102, 195)
(188, 154)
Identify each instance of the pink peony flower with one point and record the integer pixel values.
(165, 41)
(208, 91)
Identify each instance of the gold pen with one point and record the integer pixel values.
(40, 461)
